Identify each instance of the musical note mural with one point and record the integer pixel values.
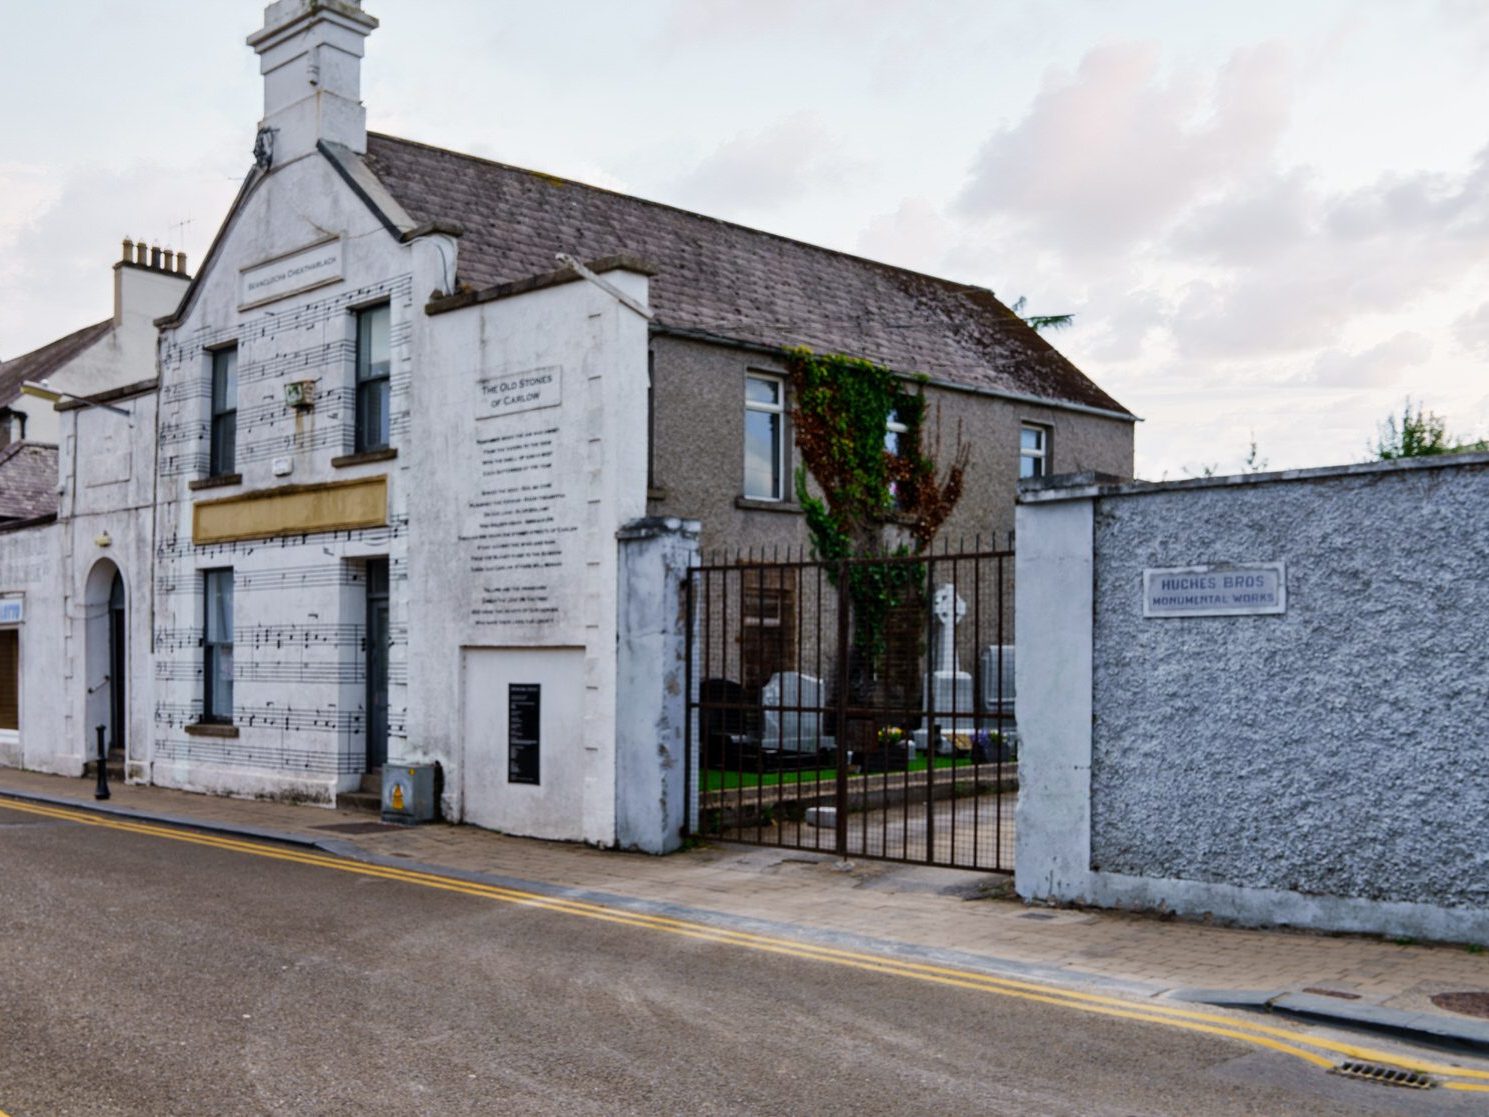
(300, 655)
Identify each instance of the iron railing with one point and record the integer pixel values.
(862, 708)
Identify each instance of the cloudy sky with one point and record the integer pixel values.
(1270, 219)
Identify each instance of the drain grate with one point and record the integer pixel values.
(358, 827)
(1385, 1076)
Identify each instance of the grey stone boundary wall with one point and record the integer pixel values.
(1325, 767)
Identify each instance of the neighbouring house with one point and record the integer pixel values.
(727, 300)
(425, 458)
(148, 282)
(28, 483)
(76, 486)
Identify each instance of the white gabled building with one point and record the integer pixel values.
(383, 532)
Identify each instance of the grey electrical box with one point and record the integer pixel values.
(408, 793)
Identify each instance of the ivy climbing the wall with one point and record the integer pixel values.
(877, 502)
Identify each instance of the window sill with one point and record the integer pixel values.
(364, 457)
(222, 480)
(656, 492)
(751, 504)
(211, 729)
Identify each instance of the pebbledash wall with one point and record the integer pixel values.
(1326, 766)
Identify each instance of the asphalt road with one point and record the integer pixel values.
(142, 975)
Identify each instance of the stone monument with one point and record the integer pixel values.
(950, 702)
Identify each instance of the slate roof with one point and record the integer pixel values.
(726, 280)
(41, 363)
(28, 480)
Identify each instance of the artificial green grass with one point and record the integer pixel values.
(729, 781)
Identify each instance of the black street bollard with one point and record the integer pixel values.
(103, 768)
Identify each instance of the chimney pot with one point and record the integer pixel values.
(169, 260)
(128, 250)
(141, 249)
(180, 263)
(155, 256)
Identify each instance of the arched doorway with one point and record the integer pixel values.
(106, 611)
(118, 710)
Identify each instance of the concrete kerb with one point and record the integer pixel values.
(1422, 1028)
(1426, 1029)
(185, 822)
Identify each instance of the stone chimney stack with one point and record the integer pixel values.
(310, 53)
(148, 281)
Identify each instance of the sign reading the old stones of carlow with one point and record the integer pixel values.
(509, 392)
(1222, 589)
(312, 266)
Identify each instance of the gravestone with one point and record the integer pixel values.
(950, 702)
(997, 682)
(997, 691)
(787, 729)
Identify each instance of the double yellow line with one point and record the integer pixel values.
(1319, 1052)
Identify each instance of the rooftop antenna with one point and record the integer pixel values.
(179, 231)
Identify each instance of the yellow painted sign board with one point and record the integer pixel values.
(292, 510)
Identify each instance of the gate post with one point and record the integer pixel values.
(651, 792)
(840, 796)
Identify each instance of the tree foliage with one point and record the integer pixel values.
(1041, 322)
(1417, 434)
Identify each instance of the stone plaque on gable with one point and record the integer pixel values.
(1224, 589)
(301, 270)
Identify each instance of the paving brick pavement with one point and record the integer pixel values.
(933, 908)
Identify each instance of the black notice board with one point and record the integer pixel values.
(524, 705)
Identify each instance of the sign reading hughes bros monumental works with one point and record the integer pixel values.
(1217, 590)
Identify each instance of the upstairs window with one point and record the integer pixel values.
(217, 648)
(374, 366)
(894, 431)
(895, 434)
(765, 437)
(1034, 450)
(224, 450)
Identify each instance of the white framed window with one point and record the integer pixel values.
(894, 445)
(374, 372)
(217, 647)
(893, 429)
(223, 451)
(1034, 450)
(765, 437)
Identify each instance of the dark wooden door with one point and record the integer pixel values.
(118, 706)
(377, 663)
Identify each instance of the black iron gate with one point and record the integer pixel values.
(863, 707)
